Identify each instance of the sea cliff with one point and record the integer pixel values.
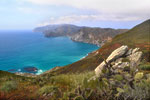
(92, 35)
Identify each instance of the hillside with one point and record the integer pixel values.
(97, 36)
(57, 30)
(118, 79)
(138, 36)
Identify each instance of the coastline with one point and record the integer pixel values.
(40, 71)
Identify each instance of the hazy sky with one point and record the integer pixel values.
(27, 14)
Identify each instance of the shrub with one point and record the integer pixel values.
(145, 67)
(138, 76)
(52, 90)
(9, 86)
(140, 91)
(71, 80)
(118, 77)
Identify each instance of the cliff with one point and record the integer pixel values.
(97, 36)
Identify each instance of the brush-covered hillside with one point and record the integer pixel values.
(118, 81)
(138, 36)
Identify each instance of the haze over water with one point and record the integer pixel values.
(19, 49)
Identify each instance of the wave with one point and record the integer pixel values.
(40, 71)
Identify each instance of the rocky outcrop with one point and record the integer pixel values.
(98, 36)
(30, 69)
(121, 58)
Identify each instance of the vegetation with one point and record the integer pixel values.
(145, 67)
(125, 85)
(129, 83)
(9, 86)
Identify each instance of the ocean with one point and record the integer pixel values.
(24, 49)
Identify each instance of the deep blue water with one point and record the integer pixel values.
(19, 49)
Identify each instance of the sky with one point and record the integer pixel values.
(28, 14)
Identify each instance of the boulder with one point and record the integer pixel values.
(121, 65)
(30, 69)
(121, 51)
(117, 53)
(135, 57)
(129, 52)
(135, 50)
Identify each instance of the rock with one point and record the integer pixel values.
(12, 70)
(118, 61)
(117, 53)
(30, 69)
(121, 65)
(114, 55)
(135, 50)
(124, 64)
(129, 52)
(26, 74)
(136, 57)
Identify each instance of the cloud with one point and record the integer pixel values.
(113, 10)
(75, 19)
(108, 6)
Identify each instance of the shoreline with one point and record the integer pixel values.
(41, 71)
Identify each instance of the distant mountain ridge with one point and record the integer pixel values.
(58, 30)
(95, 35)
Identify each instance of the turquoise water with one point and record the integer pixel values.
(26, 48)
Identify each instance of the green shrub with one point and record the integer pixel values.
(140, 91)
(138, 76)
(145, 67)
(118, 77)
(9, 86)
(48, 89)
(71, 80)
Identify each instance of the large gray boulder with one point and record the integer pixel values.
(136, 57)
(114, 55)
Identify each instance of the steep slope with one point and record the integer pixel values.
(139, 36)
(97, 36)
